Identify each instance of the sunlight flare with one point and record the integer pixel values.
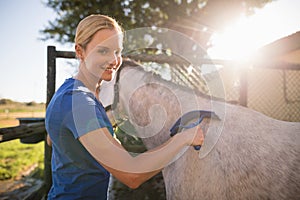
(241, 40)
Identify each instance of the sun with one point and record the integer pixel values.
(242, 39)
(237, 42)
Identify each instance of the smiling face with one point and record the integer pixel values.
(102, 55)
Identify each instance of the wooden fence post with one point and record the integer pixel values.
(243, 100)
(51, 77)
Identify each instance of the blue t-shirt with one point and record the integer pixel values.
(72, 112)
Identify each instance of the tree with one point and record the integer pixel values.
(198, 18)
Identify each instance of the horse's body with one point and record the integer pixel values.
(255, 156)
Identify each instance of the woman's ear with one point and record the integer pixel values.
(78, 51)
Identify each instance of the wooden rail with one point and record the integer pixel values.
(28, 133)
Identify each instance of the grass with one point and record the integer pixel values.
(16, 157)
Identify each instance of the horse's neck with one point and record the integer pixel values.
(153, 105)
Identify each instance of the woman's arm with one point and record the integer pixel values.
(130, 170)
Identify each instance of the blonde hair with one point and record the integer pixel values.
(91, 24)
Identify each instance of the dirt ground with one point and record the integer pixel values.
(19, 187)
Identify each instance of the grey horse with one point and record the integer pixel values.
(246, 155)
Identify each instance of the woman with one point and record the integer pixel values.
(84, 152)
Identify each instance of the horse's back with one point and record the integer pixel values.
(256, 157)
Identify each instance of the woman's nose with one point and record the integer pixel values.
(114, 60)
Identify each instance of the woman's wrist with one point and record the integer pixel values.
(186, 137)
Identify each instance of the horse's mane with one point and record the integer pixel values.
(129, 63)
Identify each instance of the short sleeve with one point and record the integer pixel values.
(86, 115)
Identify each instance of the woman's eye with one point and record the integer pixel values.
(103, 51)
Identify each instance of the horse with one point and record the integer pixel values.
(245, 155)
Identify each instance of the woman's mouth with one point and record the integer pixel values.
(109, 69)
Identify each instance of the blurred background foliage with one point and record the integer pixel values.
(198, 19)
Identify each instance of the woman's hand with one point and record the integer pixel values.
(195, 136)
